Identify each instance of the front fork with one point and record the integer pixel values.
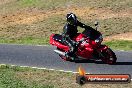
(101, 49)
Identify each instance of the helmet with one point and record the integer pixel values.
(71, 18)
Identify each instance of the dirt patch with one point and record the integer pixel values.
(2, 2)
(22, 23)
(124, 36)
(33, 15)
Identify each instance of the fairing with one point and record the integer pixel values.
(85, 49)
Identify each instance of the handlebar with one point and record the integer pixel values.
(80, 41)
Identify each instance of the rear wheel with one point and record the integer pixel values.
(109, 57)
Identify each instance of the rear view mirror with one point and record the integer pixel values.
(96, 23)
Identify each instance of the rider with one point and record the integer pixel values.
(70, 30)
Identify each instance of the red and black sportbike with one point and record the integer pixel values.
(88, 47)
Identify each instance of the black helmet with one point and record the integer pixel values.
(71, 18)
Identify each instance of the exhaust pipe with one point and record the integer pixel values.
(60, 52)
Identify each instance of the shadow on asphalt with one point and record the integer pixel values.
(100, 62)
(123, 63)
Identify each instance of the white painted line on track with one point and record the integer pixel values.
(41, 68)
(21, 66)
(48, 69)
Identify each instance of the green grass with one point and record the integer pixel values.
(114, 44)
(26, 77)
(27, 40)
(9, 79)
(120, 44)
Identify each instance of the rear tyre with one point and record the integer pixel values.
(109, 57)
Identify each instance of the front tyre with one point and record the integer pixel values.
(109, 57)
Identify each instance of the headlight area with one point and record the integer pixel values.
(99, 40)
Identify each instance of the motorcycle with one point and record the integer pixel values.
(88, 48)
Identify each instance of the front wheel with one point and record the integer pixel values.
(109, 57)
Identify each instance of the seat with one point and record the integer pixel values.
(58, 38)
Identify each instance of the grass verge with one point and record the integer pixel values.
(120, 44)
(26, 41)
(19, 77)
(25, 77)
(114, 44)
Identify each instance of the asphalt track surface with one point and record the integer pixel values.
(44, 57)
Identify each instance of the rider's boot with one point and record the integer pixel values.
(73, 48)
(72, 55)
